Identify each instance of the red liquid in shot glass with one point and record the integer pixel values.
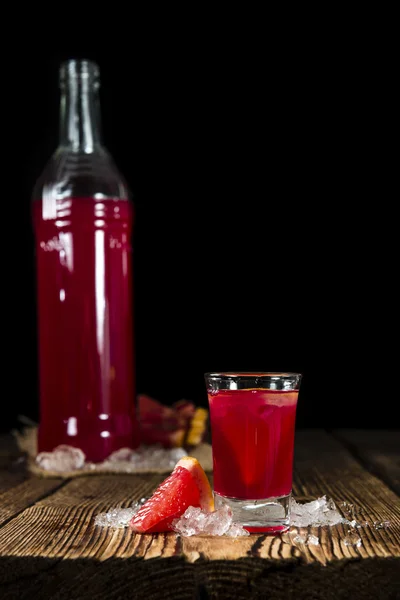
(253, 442)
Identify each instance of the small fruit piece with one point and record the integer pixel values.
(159, 424)
(186, 486)
(179, 425)
(149, 408)
(184, 409)
(157, 435)
(197, 427)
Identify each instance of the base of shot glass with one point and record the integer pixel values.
(271, 515)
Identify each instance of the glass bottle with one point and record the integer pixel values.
(83, 226)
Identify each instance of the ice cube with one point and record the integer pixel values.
(352, 539)
(190, 523)
(62, 458)
(299, 539)
(237, 530)
(116, 517)
(124, 460)
(330, 505)
(195, 521)
(352, 512)
(313, 540)
(315, 513)
(352, 523)
(154, 457)
(143, 458)
(119, 517)
(280, 399)
(123, 454)
(381, 524)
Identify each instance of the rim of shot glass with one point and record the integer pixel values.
(272, 380)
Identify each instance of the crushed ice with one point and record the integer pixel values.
(62, 458)
(125, 460)
(144, 457)
(352, 539)
(322, 511)
(381, 524)
(317, 513)
(309, 539)
(196, 521)
(115, 517)
(118, 517)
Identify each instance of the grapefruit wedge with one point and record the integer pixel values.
(187, 485)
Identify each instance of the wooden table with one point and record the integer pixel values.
(51, 549)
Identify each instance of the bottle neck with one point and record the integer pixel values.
(80, 128)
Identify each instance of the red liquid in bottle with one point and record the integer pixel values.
(83, 226)
(86, 361)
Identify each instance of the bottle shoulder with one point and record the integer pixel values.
(77, 174)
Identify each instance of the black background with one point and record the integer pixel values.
(262, 241)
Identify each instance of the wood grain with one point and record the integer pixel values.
(11, 460)
(53, 550)
(8, 449)
(18, 489)
(61, 525)
(379, 452)
(17, 495)
(324, 466)
(173, 578)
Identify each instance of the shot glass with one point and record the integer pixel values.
(252, 429)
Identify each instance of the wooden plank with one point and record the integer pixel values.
(39, 578)
(18, 491)
(8, 445)
(378, 450)
(109, 563)
(12, 464)
(62, 524)
(9, 479)
(324, 466)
